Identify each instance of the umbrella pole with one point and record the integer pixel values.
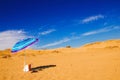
(24, 59)
(26, 66)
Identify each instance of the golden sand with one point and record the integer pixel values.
(96, 61)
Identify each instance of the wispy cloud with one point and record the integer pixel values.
(47, 32)
(92, 18)
(106, 29)
(56, 43)
(43, 26)
(10, 37)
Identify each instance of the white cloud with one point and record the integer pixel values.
(106, 29)
(56, 43)
(10, 37)
(92, 18)
(43, 26)
(47, 32)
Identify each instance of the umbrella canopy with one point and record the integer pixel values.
(23, 44)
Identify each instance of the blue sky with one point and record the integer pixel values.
(58, 23)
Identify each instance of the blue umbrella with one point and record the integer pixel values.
(23, 44)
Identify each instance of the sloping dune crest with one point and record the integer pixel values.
(104, 44)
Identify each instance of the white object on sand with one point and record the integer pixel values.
(27, 68)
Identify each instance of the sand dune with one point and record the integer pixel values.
(104, 44)
(94, 61)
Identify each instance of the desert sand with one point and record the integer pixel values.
(94, 61)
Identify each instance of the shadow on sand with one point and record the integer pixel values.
(40, 68)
